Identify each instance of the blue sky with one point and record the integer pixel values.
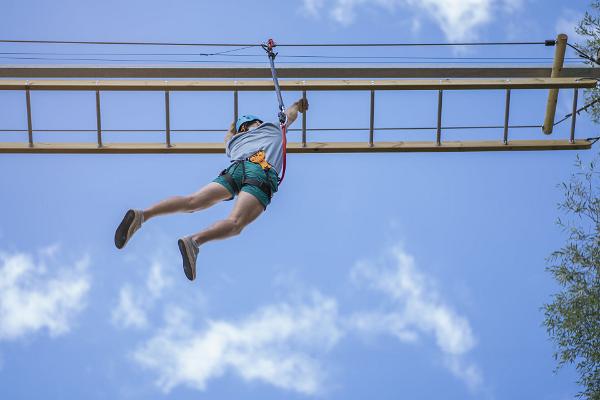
(381, 275)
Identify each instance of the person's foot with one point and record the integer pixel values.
(132, 221)
(189, 252)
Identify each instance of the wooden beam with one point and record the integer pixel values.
(559, 59)
(302, 72)
(331, 85)
(297, 147)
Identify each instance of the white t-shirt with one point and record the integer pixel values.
(267, 137)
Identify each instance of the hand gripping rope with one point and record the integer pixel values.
(282, 115)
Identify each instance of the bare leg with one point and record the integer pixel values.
(206, 197)
(247, 208)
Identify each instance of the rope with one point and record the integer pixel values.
(403, 128)
(260, 62)
(128, 43)
(282, 56)
(239, 47)
(593, 139)
(224, 52)
(584, 55)
(579, 110)
(545, 43)
(282, 115)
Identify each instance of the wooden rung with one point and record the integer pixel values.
(296, 147)
(332, 85)
(301, 72)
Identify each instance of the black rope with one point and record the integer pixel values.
(578, 111)
(584, 55)
(18, 53)
(593, 139)
(414, 44)
(128, 43)
(545, 43)
(224, 52)
(260, 62)
(402, 128)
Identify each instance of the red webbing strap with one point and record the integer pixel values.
(284, 150)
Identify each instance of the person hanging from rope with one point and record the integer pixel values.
(256, 153)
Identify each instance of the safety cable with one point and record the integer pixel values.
(402, 128)
(128, 43)
(260, 62)
(240, 47)
(545, 43)
(593, 139)
(282, 115)
(412, 57)
(578, 111)
(281, 56)
(584, 55)
(224, 52)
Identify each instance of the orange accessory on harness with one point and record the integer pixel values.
(259, 158)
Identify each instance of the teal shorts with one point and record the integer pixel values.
(253, 171)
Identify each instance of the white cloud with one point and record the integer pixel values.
(313, 7)
(50, 251)
(130, 312)
(467, 372)
(415, 28)
(273, 345)
(34, 297)
(567, 23)
(157, 281)
(284, 344)
(417, 310)
(373, 323)
(458, 19)
(133, 304)
(511, 5)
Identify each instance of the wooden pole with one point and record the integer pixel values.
(98, 119)
(559, 58)
(438, 136)
(506, 115)
(29, 125)
(304, 121)
(168, 118)
(372, 118)
(574, 115)
(235, 105)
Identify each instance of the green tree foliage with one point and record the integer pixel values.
(589, 28)
(573, 318)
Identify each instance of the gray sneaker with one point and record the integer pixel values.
(189, 252)
(132, 221)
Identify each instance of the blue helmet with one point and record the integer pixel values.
(245, 118)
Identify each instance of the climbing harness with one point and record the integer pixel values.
(260, 158)
(257, 158)
(268, 47)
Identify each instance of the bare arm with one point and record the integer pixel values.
(292, 112)
(230, 132)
